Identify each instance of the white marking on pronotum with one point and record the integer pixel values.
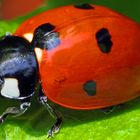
(28, 36)
(10, 88)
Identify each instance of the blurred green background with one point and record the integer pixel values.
(122, 124)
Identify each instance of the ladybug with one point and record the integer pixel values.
(82, 56)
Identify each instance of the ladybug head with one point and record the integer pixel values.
(17, 68)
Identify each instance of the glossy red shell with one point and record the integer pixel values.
(65, 69)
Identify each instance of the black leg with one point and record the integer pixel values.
(15, 111)
(56, 126)
(110, 109)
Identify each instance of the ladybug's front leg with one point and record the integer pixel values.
(16, 111)
(56, 115)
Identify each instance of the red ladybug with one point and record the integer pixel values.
(87, 58)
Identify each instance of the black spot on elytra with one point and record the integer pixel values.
(85, 6)
(90, 87)
(104, 40)
(45, 37)
(43, 29)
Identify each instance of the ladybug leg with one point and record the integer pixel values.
(15, 111)
(56, 115)
(109, 109)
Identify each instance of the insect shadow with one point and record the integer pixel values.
(37, 121)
